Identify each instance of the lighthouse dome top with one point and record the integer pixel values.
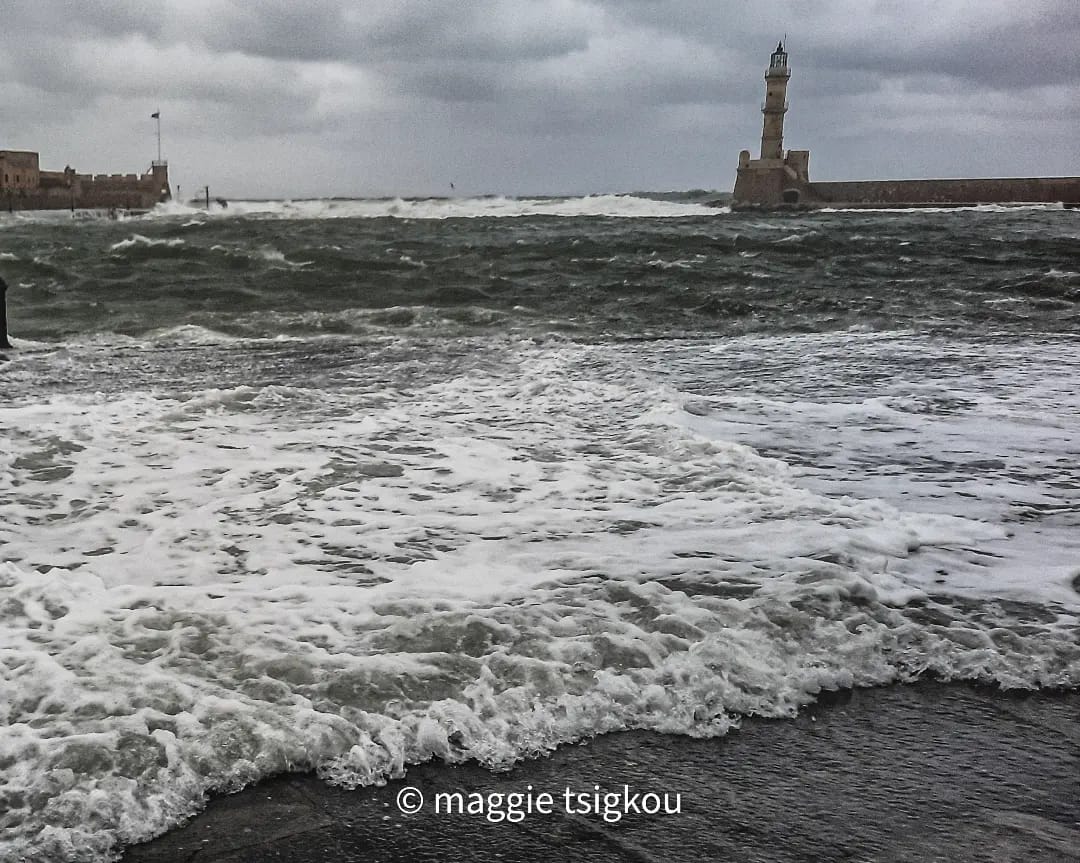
(779, 56)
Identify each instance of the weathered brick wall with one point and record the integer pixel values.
(18, 170)
(759, 186)
(118, 191)
(975, 191)
(102, 199)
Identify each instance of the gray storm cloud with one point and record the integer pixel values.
(325, 97)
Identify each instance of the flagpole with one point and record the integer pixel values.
(157, 116)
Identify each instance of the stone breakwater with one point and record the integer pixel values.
(772, 189)
(942, 193)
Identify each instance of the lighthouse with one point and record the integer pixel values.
(775, 177)
(779, 179)
(776, 81)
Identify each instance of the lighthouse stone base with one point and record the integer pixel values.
(772, 182)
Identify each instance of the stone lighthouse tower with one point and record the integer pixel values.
(776, 81)
(776, 177)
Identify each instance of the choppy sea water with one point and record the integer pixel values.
(348, 485)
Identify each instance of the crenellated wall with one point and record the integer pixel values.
(24, 187)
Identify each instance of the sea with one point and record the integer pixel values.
(349, 485)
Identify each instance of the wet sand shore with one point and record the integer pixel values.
(929, 771)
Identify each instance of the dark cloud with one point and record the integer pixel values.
(1036, 47)
(538, 95)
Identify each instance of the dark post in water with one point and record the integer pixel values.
(4, 343)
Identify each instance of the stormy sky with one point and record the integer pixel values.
(273, 98)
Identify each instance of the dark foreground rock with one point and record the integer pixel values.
(906, 773)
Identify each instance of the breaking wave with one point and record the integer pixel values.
(206, 588)
(629, 206)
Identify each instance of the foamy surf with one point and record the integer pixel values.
(207, 588)
(627, 206)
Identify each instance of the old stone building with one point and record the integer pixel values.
(19, 171)
(24, 186)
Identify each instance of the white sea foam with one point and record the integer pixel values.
(445, 208)
(184, 334)
(494, 206)
(204, 587)
(136, 240)
(275, 257)
(998, 446)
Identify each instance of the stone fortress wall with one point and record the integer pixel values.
(24, 186)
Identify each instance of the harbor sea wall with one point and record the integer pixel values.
(764, 185)
(1027, 190)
